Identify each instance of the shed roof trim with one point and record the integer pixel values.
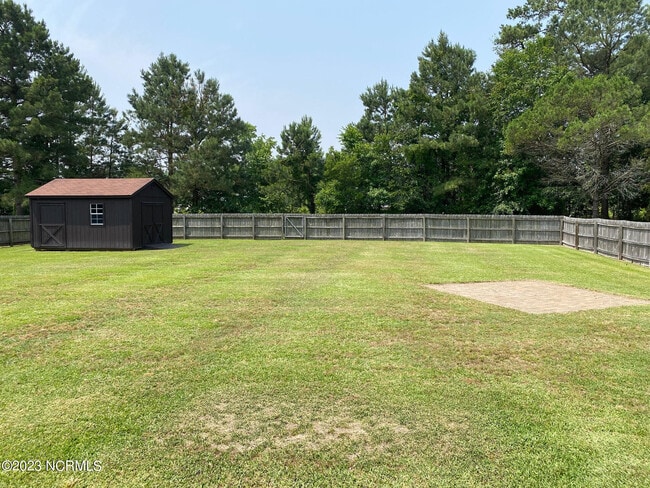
(91, 187)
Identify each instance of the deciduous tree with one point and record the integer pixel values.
(591, 34)
(590, 131)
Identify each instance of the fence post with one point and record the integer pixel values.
(184, 227)
(221, 226)
(304, 227)
(344, 237)
(620, 242)
(11, 232)
(253, 226)
(468, 230)
(383, 227)
(514, 230)
(595, 237)
(561, 231)
(576, 241)
(424, 228)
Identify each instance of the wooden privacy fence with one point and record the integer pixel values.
(460, 228)
(618, 239)
(14, 230)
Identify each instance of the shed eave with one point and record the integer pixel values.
(158, 184)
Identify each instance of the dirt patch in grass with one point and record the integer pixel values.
(234, 428)
(537, 297)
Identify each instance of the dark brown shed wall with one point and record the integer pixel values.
(79, 234)
(114, 234)
(151, 194)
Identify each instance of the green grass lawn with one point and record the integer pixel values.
(311, 363)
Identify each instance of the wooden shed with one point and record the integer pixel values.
(78, 213)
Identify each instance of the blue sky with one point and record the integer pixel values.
(280, 60)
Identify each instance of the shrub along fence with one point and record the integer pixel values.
(619, 239)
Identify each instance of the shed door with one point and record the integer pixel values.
(52, 225)
(152, 221)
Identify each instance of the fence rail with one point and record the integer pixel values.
(618, 239)
(14, 230)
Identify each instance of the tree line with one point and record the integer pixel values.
(559, 125)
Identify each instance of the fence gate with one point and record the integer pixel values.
(294, 226)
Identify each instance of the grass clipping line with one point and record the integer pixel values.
(537, 297)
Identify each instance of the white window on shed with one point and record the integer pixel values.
(96, 214)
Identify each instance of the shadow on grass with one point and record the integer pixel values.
(163, 246)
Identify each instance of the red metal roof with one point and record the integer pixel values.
(91, 187)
